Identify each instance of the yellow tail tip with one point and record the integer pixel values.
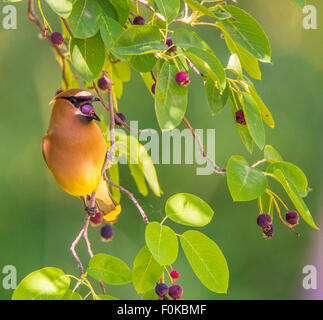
(113, 215)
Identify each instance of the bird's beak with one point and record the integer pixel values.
(96, 99)
(94, 116)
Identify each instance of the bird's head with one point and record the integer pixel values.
(81, 100)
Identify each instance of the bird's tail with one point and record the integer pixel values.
(109, 208)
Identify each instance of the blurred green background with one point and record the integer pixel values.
(39, 221)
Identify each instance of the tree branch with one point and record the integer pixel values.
(131, 196)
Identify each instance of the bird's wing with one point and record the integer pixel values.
(44, 146)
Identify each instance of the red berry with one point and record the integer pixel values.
(169, 43)
(57, 38)
(174, 274)
(161, 290)
(264, 220)
(103, 83)
(87, 108)
(182, 78)
(96, 220)
(240, 118)
(139, 20)
(107, 232)
(122, 117)
(292, 218)
(175, 291)
(268, 231)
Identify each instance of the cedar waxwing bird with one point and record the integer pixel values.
(74, 149)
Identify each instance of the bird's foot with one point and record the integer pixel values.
(91, 210)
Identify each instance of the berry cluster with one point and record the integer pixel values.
(175, 291)
(265, 222)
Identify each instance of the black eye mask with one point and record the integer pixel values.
(78, 101)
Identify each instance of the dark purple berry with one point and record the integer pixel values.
(107, 232)
(103, 83)
(122, 117)
(87, 108)
(57, 38)
(182, 78)
(269, 231)
(240, 117)
(264, 220)
(161, 289)
(139, 20)
(172, 48)
(96, 220)
(153, 88)
(166, 298)
(292, 218)
(59, 91)
(175, 291)
(174, 274)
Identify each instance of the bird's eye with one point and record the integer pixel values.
(73, 100)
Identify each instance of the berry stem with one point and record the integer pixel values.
(170, 277)
(147, 5)
(216, 168)
(131, 196)
(275, 195)
(281, 218)
(163, 220)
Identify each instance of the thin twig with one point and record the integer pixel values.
(67, 27)
(194, 68)
(216, 168)
(131, 196)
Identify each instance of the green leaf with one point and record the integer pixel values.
(245, 183)
(297, 200)
(85, 18)
(114, 176)
(168, 8)
(247, 32)
(150, 295)
(215, 99)
(162, 243)
(122, 8)
(110, 31)
(254, 120)
(234, 65)
(44, 284)
(220, 13)
(265, 113)
(198, 7)
(106, 297)
(210, 63)
(186, 39)
(206, 260)
(242, 130)
(144, 62)
(146, 271)
(188, 209)
(293, 174)
(136, 154)
(63, 8)
(108, 9)
(139, 178)
(300, 3)
(139, 40)
(170, 98)
(70, 295)
(88, 56)
(247, 60)
(271, 154)
(109, 269)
